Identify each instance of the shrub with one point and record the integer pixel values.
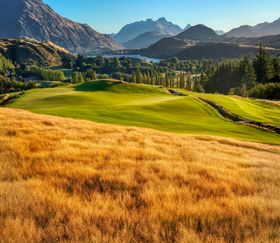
(269, 91)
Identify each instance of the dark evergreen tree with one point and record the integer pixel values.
(263, 66)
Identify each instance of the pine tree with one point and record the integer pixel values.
(139, 76)
(263, 66)
(189, 81)
(248, 76)
(77, 77)
(94, 77)
(276, 64)
(133, 77)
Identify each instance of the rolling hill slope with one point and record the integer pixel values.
(137, 105)
(67, 180)
(30, 51)
(247, 108)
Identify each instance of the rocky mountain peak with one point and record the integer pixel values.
(35, 19)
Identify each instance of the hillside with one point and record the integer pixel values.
(218, 51)
(246, 31)
(250, 109)
(271, 41)
(199, 33)
(24, 51)
(34, 19)
(133, 30)
(137, 105)
(185, 49)
(167, 47)
(200, 42)
(144, 40)
(262, 29)
(70, 180)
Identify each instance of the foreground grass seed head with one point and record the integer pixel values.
(69, 180)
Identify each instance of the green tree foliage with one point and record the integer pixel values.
(266, 91)
(226, 76)
(139, 75)
(247, 73)
(77, 77)
(263, 66)
(6, 66)
(46, 74)
(90, 75)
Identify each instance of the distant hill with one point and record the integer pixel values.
(34, 19)
(271, 41)
(187, 27)
(30, 51)
(243, 31)
(131, 31)
(167, 47)
(200, 33)
(263, 29)
(183, 49)
(216, 51)
(144, 40)
(202, 42)
(219, 32)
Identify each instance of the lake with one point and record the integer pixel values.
(135, 56)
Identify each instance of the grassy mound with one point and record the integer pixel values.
(64, 180)
(137, 105)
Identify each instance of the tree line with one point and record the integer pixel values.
(258, 77)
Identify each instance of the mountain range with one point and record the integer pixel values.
(263, 29)
(133, 30)
(159, 38)
(201, 41)
(144, 40)
(35, 19)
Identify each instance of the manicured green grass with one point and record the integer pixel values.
(137, 105)
(248, 108)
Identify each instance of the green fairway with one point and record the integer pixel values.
(247, 108)
(137, 105)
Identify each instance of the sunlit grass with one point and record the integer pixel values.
(137, 105)
(64, 180)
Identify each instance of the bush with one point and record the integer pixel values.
(46, 74)
(269, 91)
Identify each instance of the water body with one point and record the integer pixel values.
(143, 58)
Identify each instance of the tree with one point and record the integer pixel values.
(133, 77)
(139, 76)
(189, 81)
(117, 64)
(77, 77)
(276, 65)
(81, 78)
(248, 76)
(263, 66)
(90, 75)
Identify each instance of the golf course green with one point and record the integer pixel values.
(247, 108)
(113, 102)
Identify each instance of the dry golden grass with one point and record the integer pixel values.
(64, 180)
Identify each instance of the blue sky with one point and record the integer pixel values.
(108, 16)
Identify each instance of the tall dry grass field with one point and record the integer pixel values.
(64, 180)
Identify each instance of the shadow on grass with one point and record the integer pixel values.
(93, 86)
